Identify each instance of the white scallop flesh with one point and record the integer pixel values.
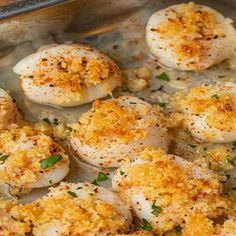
(47, 177)
(83, 191)
(8, 111)
(47, 93)
(199, 126)
(142, 205)
(163, 45)
(114, 154)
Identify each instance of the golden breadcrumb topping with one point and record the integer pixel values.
(8, 111)
(75, 216)
(198, 224)
(229, 227)
(174, 188)
(112, 120)
(72, 73)
(21, 150)
(217, 104)
(190, 25)
(9, 226)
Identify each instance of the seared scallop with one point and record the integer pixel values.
(210, 112)
(77, 209)
(67, 75)
(165, 189)
(113, 130)
(30, 159)
(188, 36)
(8, 110)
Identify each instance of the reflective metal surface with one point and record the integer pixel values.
(116, 27)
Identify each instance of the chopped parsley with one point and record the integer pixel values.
(227, 176)
(46, 120)
(79, 188)
(70, 129)
(156, 210)
(163, 76)
(234, 144)
(50, 161)
(234, 188)
(132, 103)
(192, 145)
(231, 161)
(221, 76)
(122, 172)
(3, 157)
(146, 225)
(209, 165)
(73, 194)
(161, 104)
(178, 228)
(215, 96)
(100, 178)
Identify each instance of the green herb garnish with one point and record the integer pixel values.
(178, 228)
(209, 165)
(122, 172)
(156, 210)
(46, 120)
(234, 188)
(163, 76)
(100, 178)
(50, 161)
(221, 76)
(192, 145)
(3, 157)
(215, 96)
(231, 161)
(70, 129)
(79, 188)
(146, 225)
(161, 104)
(234, 144)
(132, 102)
(72, 194)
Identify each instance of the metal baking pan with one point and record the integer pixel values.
(116, 27)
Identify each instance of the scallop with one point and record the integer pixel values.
(165, 189)
(77, 209)
(8, 110)
(67, 75)
(113, 130)
(188, 36)
(210, 112)
(31, 160)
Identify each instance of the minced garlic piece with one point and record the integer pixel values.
(110, 119)
(23, 149)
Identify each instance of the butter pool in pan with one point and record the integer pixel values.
(194, 107)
